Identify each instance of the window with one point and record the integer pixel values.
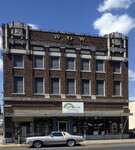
(116, 88)
(99, 65)
(38, 62)
(85, 87)
(116, 67)
(38, 85)
(85, 64)
(70, 63)
(55, 86)
(100, 88)
(54, 62)
(18, 60)
(18, 85)
(70, 86)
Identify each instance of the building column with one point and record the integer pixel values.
(54, 124)
(70, 125)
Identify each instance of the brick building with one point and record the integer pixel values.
(64, 81)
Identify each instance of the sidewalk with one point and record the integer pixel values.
(85, 143)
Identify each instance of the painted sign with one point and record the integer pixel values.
(72, 107)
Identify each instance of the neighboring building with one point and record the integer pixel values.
(64, 81)
(132, 118)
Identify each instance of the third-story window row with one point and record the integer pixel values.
(18, 61)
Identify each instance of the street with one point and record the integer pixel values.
(89, 147)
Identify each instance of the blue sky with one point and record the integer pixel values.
(95, 17)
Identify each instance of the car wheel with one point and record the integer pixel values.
(70, 143)
(37, 144)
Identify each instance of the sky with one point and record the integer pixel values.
(93, 17)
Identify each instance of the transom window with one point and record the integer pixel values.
(85, 64)
(100, 65)
(38, 62)
(116, 67)
(70, 63)
(116, 88)
(100, 88)
(54, 62)
(55, 89)
(38, 85)
(85, 87)
(18, 61)
(70, 86)
(18, 85)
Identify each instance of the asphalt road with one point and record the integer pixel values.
(90, 147)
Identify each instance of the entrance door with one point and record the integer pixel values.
(62, 126)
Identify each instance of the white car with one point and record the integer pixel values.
(54, 138)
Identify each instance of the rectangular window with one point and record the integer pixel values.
(18, 85)
(55, 89)
(100, 88)
(38, 85)
(116, 67)
(70, 63)
(38, 62)
(116, 88)
(100, 65)
(85, 87)
(70, 86)
(54, 62)
(85, 64)
(18, 61)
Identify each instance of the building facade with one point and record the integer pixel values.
(63, 81)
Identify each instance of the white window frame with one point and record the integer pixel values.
(74, 85)
(120, 90)
(51, 60)
(14, 85)
(89, 88)
(89, 65)
(14, 60)
(103, 66)
(43, 87)
(103, 88)
(34, 62)
(59, 86)
(74, 64)
(120, 67)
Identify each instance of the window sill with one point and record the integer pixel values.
(18, 67)
(100, 72)
(55, 69)
(18, 93)
(39, 94)
(85, 70)
(39, 68)
(70, 70)
(117, 96)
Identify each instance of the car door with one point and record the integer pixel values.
(56, 138)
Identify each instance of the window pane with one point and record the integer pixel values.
(54, 86)
(54, 63)
(116, 88)
(38, 62)
(99, 65)
(18, 84)
(85, 87)
(18, 60)
(70, 88)
(100, 87)
(116, 67)
(85, 64)
(70, 63)
(38, 85)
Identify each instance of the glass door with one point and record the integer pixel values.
(62, 126)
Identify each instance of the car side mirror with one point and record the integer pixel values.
(51, 135)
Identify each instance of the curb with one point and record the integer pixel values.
(85, 143)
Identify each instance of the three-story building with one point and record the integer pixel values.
(63, 81)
